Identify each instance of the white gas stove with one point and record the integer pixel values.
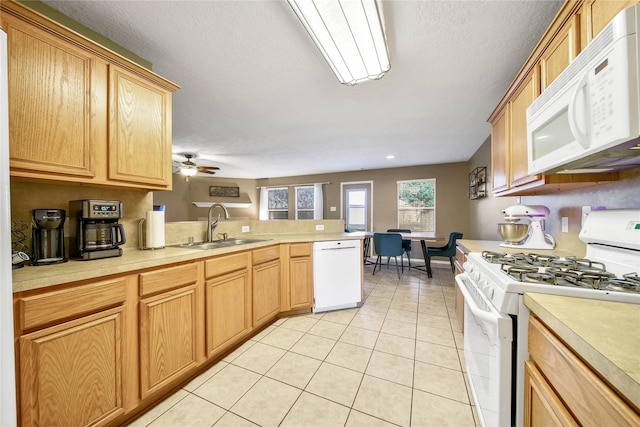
(493, 284)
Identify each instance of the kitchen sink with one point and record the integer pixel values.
(216, 244)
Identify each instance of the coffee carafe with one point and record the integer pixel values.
(96, 231)
(47, 233)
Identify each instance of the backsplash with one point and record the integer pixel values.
(26, 196)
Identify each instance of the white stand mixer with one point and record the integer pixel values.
(536, 237)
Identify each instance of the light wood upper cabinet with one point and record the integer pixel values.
(596, 14)
(524, 96)
(500, 150)
(555, 51)
(139, 130)
(51, 111)
(78, 113)
(563, 49)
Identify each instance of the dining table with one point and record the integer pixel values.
(424, 237)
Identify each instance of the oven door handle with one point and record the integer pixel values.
(502, 322)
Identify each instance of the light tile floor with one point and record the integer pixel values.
(397, 360)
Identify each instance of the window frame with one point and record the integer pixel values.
(415, 208)
(269, 210)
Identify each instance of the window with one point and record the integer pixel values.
(278, 203)
(305, 197)
(356, 209)
(417, 205)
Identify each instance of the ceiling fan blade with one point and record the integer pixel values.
(206, 171)
(206, 168)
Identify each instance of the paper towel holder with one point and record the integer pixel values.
(141, 237)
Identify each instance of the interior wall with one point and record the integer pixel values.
(179, 202)
(485, 213)
(621, 194)
(452, 201)
(26, 196)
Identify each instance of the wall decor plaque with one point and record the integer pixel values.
(217, 191)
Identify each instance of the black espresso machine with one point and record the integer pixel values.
(94, 229)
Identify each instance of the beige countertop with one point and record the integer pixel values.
(132, 259)
(605, 334)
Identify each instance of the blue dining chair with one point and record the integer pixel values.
(389, 245)
(406, 244)
(448, 251)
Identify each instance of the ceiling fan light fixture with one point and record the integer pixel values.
(350, 35)
(188, 170)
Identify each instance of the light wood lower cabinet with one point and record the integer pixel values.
(560, 389)
(71, 355)
(266, 285)
(96, 353)
(542, 406)
(297, 280)
(168, 325)
(227, 301)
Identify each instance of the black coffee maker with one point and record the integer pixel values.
(94, 229)
(47, 234)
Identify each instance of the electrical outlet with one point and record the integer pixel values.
(245, 228)
(565, 224)
(332, 208)
(319, 227)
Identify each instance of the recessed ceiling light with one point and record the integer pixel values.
(391, 156)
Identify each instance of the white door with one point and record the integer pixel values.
(356, 205)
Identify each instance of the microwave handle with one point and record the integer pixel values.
(581, 136)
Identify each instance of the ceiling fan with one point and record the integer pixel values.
(189, 168)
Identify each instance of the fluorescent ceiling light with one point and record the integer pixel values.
(349, 34)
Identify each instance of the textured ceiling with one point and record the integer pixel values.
(258, 100)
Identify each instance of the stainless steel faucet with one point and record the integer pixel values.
(211, 225)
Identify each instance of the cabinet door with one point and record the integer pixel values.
(266, 292)
(527, 92)
(51, 117)
(301, 282)
(500, 150)
(542, 406)
(597, 14)
(139, 131)
(71, 374)
(559, 54)
(167, 337)
(228, 310)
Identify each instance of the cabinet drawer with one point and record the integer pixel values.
(168, 278)
(226, 264)
(261, 256)
(53, 306)
(586, 395)
(300, 249)
(461, 256)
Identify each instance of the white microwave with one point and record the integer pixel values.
(588, 119)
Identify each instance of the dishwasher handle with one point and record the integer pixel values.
(338, 248)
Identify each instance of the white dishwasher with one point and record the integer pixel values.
(337, 274)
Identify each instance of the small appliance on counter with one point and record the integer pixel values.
(524, 228)
(94, 228)
(47, 234)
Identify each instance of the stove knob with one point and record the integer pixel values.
(489, 292)
(467, 266)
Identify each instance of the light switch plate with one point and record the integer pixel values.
(565, 224)
(319, 227)
(245, 228)
(332, 208)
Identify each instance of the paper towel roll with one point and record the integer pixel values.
(155, 229)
